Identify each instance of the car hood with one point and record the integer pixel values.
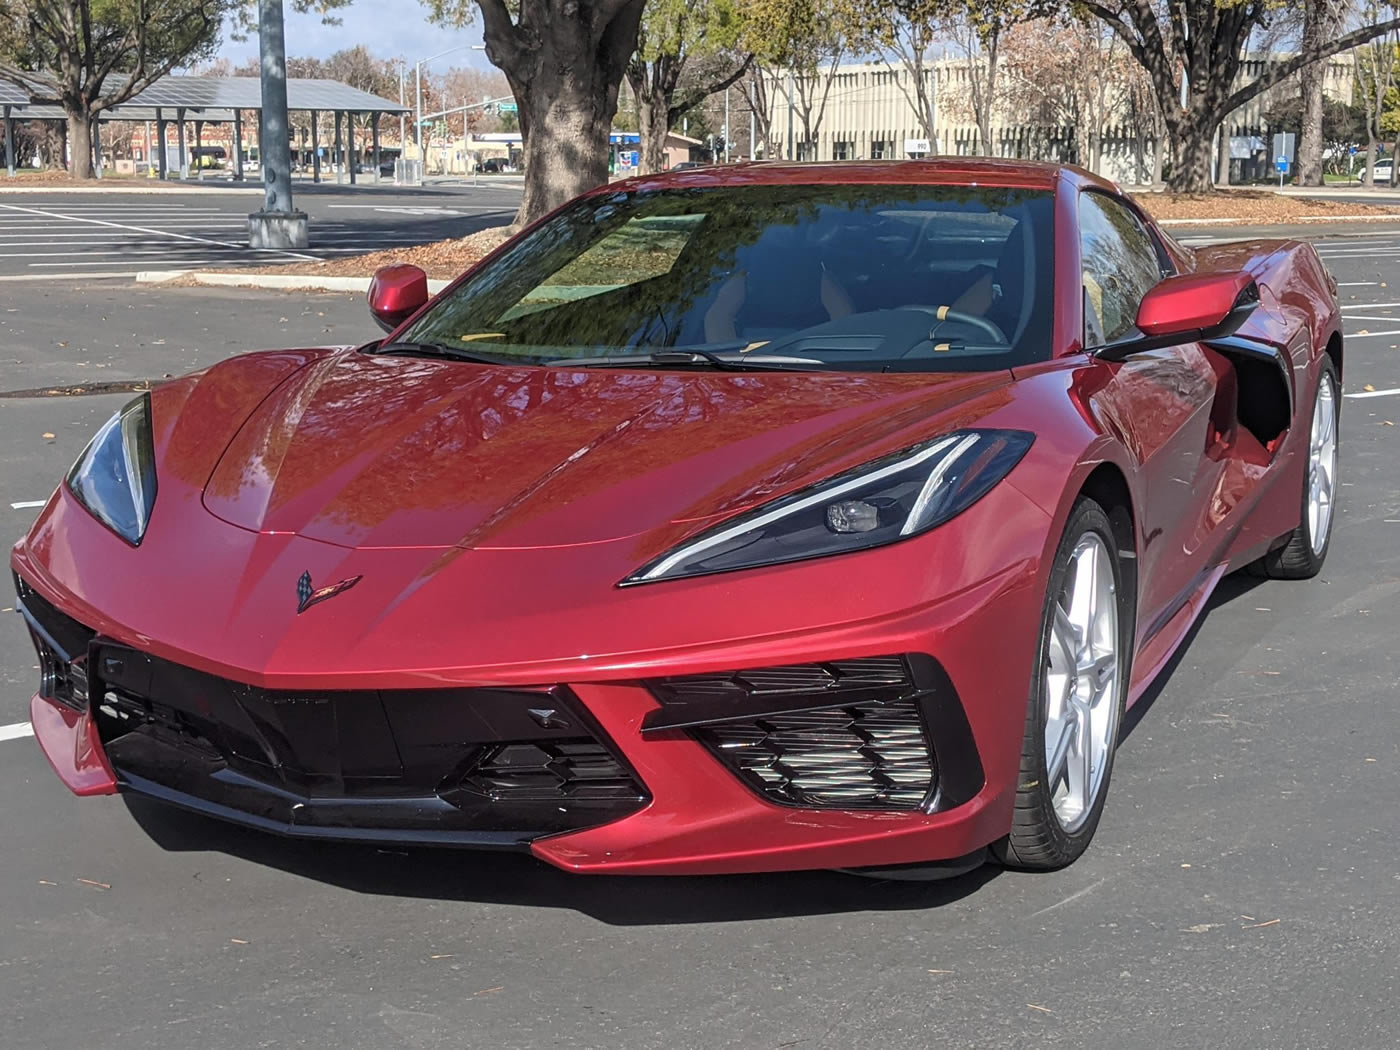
(368, 451)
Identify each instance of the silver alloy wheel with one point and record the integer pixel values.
(1322, 463)
(1082, 682)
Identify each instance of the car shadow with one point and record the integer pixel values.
(446, 874)
(1236, 585)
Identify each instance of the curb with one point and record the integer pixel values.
(280, 281)
(139, 187)
(1301, 220)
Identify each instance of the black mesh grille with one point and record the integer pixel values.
(869, 755)
(558, 769)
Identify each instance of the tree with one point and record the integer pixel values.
(96, 54)
(1073, 74)
(807, 39)
(680, 36)
(564, 60)
(904, 32)
(759, 100)
(1340, 124)
(1376, 68)
(1322, 19)
(357, 67)
(1207, 38)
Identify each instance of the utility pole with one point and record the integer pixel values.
(278, 225)
(726, 125)
(792, 152)
(418, 111)
(402, 140)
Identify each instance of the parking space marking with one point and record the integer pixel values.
(16, 731)
(28, 503)
(1374, 393)
(1374, 335)
(1367, 306)
(1356, 284)
(165, 233)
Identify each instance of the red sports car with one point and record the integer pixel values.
(737, 519)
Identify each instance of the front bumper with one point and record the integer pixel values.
(688, 813)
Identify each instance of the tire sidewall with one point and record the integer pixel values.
(1327, 371)
(1086, 517)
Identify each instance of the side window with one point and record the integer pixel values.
(1120, 263)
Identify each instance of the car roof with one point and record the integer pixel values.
(935, 171)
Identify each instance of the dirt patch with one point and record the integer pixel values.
(30, 177)
(1263, 207)
(442, 260)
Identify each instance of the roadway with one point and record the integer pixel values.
(1243, 890)
(104, 234)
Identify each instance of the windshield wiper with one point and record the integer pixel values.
(452, 352)
(707, 358)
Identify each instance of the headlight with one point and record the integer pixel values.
(881, 502)
(115, 477)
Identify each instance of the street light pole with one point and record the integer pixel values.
(277, 225)
(418, 89)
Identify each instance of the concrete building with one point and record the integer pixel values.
(870, 114)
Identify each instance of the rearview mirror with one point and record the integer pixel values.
(396, 293)
(1191, 308)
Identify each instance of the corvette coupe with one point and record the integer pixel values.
(736, 519)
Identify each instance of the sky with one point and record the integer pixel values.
(389, 28)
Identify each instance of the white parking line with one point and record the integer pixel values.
(60, 276)
(1374, 393)
(16, 731)
(22, 504)
(182, 260)
(1356, 284)
(1367, 306)
(1374, 335)
(139, 229)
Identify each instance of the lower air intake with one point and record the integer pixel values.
(557, 769)
(870, 755)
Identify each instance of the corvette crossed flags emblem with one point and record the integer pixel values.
(307, 595)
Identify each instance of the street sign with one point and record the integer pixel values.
(1284, 145)
(1281, 164)
(507, 107)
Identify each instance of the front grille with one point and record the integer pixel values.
(554, 770)
(869, 755)
(866, 672)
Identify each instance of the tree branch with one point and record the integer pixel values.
(698, 95)
(1284, 70)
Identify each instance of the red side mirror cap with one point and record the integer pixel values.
(1195, 302)
(396, 293)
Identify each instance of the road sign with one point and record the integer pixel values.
(1284, 145)
(507, 107)
(1281, 164)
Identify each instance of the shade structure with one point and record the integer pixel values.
(198, 94)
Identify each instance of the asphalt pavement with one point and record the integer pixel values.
(1243, 890)
(47, 236)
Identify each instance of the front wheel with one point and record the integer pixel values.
(1077, 698)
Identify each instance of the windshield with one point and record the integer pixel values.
(943, 278)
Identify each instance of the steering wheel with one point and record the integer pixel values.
(947, 313)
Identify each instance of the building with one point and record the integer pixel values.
(869, 113)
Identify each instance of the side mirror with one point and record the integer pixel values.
(1191, 308)
(396, 293)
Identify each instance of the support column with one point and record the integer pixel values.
(97, 146)
(9, 144)
(198, 145)
(315, 146)
(374, 133)
(354, 154)
(180, 140)
(160, 146)
(238, 144)
(277, 225)
(336, 155)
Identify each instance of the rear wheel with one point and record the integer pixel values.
(1306, 549)
(1077, 698)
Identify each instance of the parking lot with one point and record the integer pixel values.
(55, 236)
(1243, 890)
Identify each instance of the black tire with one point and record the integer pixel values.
(1038, 841)
(1296, 559)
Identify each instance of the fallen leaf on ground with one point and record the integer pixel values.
(237, 940)
(1201, 927)
(1042, 1009)
(48, 436)
(1260, 925)
(46, 882)
(492, 991)
(99, 885)
(940, 971)
(442, 957)
(1368, 386)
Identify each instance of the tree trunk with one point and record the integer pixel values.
(1222, 177)
(1191, 142)
(1368, 174)
(80, 146)
(568, 114)
(1159, 148)
(1315, 23)
(652, 123)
